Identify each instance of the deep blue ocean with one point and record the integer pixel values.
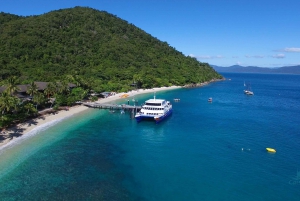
(204, 151)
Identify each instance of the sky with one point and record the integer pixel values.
(263, 33)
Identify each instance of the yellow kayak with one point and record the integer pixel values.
(271, 150)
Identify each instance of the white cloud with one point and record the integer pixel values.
(291, 49)
(238, 63)
(204, 57)
(278, 56)
(255, 56)
(207, 56)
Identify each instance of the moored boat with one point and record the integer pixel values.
(248, 91)
(154, 109)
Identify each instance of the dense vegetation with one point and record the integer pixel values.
(93, 50)
(56, 94)
(95, 46)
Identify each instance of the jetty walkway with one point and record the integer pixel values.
(112, 106)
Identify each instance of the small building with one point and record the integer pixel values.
(22, 92)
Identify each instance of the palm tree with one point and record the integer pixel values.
(29, 107)
(8, 103)
(4, 100)
(63, 87)
(138, 81)
(32, 89)
(74, 79)
(50, 89)
(39, 99)
(11, 85)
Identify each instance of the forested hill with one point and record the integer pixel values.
(99, 47)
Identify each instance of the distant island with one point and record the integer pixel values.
(256, 69)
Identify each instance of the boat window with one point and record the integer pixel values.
(153, 104)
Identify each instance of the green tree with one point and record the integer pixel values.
(6, 103)
(94, 98)
(63, 87)
(11, 85)
(94, 50)
(32, 89)
(79, 93)
(39, 99)
(50, 89)
(29, 108)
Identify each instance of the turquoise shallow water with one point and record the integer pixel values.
(204, 151)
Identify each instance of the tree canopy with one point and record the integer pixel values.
(101, 50)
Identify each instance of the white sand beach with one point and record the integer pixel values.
(21, 129)
(135, 92)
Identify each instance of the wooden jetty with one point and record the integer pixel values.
(112, 106)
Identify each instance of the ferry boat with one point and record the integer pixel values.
(154, 109)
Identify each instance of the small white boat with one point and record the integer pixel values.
(209, 100)
(248, 91)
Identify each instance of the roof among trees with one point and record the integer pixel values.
(22, 88)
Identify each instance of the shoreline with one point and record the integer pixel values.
(10, 134)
